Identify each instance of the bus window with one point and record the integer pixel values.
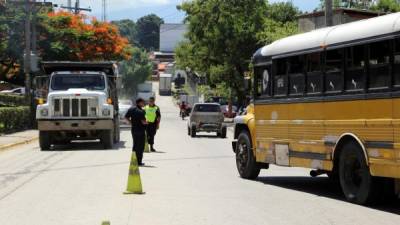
(334, 68)
(355, 68)
(280, 78)
(379, 65)
(314, 74)
(397, 63)
(296, 75)
(263, 77)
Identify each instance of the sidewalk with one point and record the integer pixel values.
(18, 138)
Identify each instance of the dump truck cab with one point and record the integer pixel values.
(82, 104)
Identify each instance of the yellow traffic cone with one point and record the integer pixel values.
(134, 182)
(146, 145)
(105, 223)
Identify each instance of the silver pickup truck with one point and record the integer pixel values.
(207, 117)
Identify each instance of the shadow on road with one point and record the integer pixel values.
(324, 187)
(87, 146)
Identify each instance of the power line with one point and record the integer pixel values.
(77, 9)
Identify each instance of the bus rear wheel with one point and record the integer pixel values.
(357, 184)
(245, 160)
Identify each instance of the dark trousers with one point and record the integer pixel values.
(151, 132)
(138, 145)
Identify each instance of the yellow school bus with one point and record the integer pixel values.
(328, 100)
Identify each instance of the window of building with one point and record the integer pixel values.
(355, 68)
(379, 65)
(334, 68)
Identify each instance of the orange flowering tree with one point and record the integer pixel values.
(66, 36)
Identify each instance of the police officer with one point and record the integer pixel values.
(136, 116)
(153, 118)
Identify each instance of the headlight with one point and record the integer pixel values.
(106, 112)
(44, 112)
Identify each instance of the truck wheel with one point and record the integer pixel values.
(44, 140)
(355, 179)
(245, 161)
(107, 139)
(223, 132)
(193, 131)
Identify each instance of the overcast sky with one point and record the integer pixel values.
(134, 9)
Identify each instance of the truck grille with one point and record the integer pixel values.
(75, 107)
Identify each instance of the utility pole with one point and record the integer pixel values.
(27, 59)
(328, 13)
(77, 9)
(69, 5)
(104, 13)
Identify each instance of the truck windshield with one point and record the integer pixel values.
(86, 81)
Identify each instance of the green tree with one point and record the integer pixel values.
(354, 4)
(134, 71)
(375, 5)
(275, 30)
(280, 22)
(387, 6)
(282, 12)
(128, 29)
(222, 37)
(11, 42)
(148, 32)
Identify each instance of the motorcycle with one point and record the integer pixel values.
(185, 112)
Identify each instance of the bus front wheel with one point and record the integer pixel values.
(245, 160)
(358, 185)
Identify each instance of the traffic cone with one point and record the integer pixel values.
(134, 182)
(146, 145)
(105, 223)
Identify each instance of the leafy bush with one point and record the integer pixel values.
(11, 100)
(13, 118)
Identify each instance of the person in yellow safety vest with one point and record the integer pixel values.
(153, 118)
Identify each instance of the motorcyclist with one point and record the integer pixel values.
(182, 108)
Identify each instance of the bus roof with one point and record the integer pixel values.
(331, 37)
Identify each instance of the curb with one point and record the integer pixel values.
(7, 146)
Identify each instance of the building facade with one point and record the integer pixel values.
(316, 20)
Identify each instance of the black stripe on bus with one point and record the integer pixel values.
(379, 144)
(334, 98)
(330, 143)
(308, 155)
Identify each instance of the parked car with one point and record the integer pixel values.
(207, 117)
(225, 111)
(124, 106)
(15, 91)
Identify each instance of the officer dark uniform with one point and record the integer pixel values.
(153, 118)
(137, 117)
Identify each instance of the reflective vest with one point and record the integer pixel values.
(151, 113)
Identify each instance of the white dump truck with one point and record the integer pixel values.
(165, 84)
(82, 104)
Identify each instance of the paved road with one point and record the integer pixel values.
(191, 181)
